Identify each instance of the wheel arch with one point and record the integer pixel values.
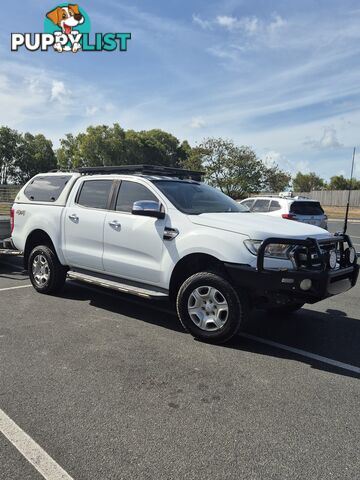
(36, 237)
(190, 264)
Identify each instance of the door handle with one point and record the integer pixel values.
(74, 218)
(115, 225)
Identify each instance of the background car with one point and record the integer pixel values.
(300, 209)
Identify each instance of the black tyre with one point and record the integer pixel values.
(285, 309)
(46, 272)
(209, 308)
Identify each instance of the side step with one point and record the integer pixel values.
(116, 285)
(6, 251)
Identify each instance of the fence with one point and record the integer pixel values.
(7, 196)
(8, 193)
(333, 198)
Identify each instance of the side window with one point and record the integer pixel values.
(131, 192)
(275, 205)
(46, 188)
(248, 203)
(261, 206)
(95, 193)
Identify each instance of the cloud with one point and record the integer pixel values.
(58, 90)
(197, 122)
(246, 25)
(271, 157)
(249, 25)
(204, 24)
(46, 102)
(328, 140)
(227, 22)
(91, 110)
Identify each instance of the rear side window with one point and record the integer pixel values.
(95, 194)
(46, 188)
(261, 206)
(248, 203)
(306, 208)
(131, 192)
(274, 205)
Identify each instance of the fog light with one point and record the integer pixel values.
(306, 284)
(350, 255)
(332, 259)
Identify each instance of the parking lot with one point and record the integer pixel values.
(110, 387)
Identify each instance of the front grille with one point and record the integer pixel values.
(314, 259)
(313, 254)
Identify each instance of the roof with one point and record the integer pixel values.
(277, 197)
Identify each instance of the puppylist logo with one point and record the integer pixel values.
(67, 29)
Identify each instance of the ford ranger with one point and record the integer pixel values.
(159, 232)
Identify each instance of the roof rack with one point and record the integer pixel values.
(157, 170)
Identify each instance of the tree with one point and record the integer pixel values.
(306, 182)
(153, 147)
(98, 146)
(35, 155)
(339, 182)
(275, 179)
(103, 145)
(9, 143)
(234, 170)
(68, 155)
(193, 157)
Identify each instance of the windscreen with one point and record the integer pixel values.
(306, 208)
(197, 198)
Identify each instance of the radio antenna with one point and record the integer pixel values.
(350, 188)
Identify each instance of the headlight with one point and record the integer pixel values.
(275, 250)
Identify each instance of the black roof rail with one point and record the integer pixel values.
(157, 170)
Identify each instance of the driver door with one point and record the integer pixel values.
(133, 245)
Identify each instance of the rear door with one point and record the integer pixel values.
(84, 224)
(133, 245)
(275, 208)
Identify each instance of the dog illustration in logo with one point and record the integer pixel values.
(66, 18)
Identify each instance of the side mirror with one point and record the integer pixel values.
(148, 208)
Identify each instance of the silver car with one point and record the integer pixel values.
(300, 209)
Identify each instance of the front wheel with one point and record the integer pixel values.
(46, 273)
(209, 308)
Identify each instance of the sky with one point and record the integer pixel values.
(280, 76)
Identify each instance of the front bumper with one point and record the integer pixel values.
(283, 286)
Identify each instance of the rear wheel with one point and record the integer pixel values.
(209, 308)
(46, 273)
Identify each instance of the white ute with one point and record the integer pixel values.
(158, 232)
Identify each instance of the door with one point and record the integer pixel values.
(84, 225)
(261, 206)
(275, 208)
(133, 245)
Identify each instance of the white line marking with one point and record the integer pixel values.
(339, 220)
(14, 288)
(303, 353)
(33, 453)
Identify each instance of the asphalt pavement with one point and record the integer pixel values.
(353, 230)
(112, 388)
